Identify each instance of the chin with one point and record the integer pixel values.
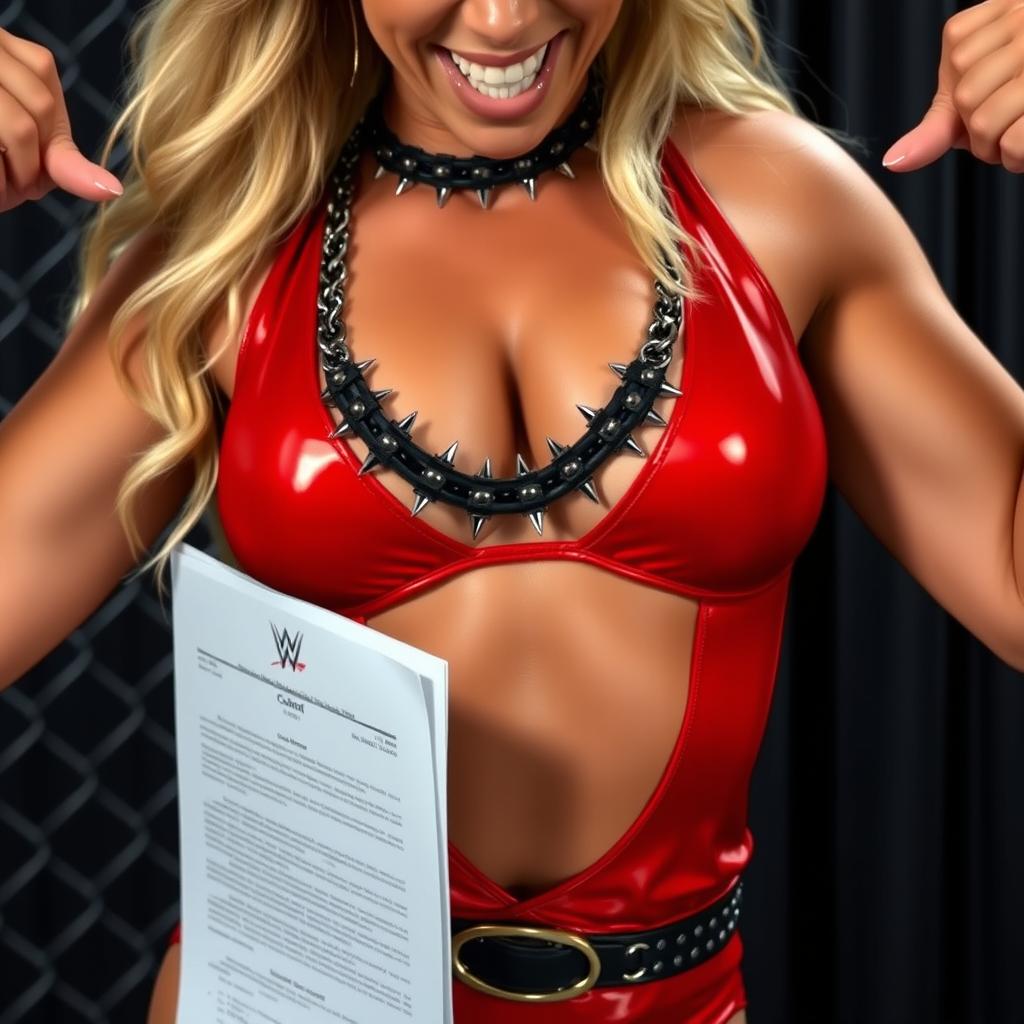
(501, 142)
(512, 126)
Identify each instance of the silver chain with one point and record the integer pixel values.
(435, 477)
(332, 335)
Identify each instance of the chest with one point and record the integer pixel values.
(495, 326)
(525, 293)
(499, 327)
(726, 493)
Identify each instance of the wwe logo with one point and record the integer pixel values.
(287, 649)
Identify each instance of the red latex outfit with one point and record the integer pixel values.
(718, 513)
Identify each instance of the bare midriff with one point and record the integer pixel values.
(560, 719)
(567, 682)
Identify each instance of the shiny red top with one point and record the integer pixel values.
(719, 511)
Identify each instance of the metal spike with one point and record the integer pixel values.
(667, 389)
(537, 518)
(484, 195)
(486, 471)
(370, 462)
(449, 453)
(365, 365)
(521, 467)
(478, 522)
(325, 396)
(406, 422)
(588, 488)
(632, 446)
(555, 448)
(383, 393)
(443, 192)
(380, 172)
(404, 184)
(655, 417)
(566, 169)
(422, 501)
(620, 369)
(587, 411)
(344, 428)
(530, 184)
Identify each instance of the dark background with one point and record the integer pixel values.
(886, 805)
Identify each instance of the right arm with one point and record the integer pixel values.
(64, 449)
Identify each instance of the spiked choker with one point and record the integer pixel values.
(446, 172)
(434, 477)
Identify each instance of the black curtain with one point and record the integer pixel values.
(885, 805)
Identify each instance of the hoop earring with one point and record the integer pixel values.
(355, 42)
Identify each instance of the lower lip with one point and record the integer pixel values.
(503, 110)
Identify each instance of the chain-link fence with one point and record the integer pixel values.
(88, 815)
(88, 812)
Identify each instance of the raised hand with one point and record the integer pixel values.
(37, 153)
(979, 104)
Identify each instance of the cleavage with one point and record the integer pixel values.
(493, 339)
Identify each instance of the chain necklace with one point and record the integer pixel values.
(434, 477)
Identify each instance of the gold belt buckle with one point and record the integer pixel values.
(563, 938)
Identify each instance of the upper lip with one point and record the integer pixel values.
(497, 60)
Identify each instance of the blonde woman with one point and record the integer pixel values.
(635, 363)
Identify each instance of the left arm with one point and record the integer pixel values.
(925, 427)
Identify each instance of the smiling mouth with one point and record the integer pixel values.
(501, 81)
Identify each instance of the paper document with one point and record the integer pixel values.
(312, 754)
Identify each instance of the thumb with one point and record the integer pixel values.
(940, 129)
(73, 172)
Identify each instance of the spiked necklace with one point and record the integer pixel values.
(435, 477)
(446, 172)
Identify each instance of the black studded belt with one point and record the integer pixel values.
(536, 964)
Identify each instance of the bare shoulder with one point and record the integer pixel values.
(788, 187)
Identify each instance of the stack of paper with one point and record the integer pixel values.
(312, 754)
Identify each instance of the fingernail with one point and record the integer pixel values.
(114, 188)
(888, 161)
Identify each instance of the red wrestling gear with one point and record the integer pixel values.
(718, 512)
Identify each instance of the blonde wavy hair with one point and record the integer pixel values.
(236, 112)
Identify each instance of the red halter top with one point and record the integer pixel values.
(719, 511)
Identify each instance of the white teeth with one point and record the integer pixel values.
(503, 92)
(501, 83)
